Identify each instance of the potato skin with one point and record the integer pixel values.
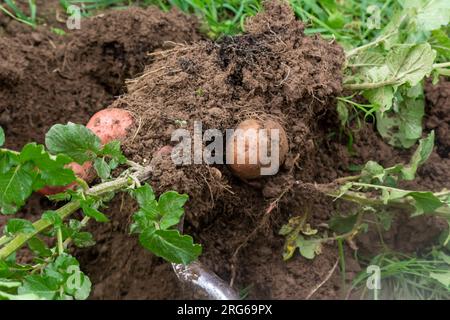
(253, 171)
(108, 124)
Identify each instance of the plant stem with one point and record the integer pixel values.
(368, 45)
(441, 65)
(40, 225)
(368, 86)
(60, 241)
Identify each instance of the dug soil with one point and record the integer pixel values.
(273, 71)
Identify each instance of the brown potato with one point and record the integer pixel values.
(248, 170)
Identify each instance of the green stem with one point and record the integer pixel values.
(368, 45)
(368, 86)
(4, 240)
(19, 240)
(60, 241)
(441, 65)
(111, 186)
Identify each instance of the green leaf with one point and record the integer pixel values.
(425, 202)
(16, 185)
(380, 97)
(94, 213)
(112, 149)
(411, 63)
(143, 194)
(15, 226)
(342, 225)
(372, 170)
(83, 239)
(2, 137)
(419, 157)
(39, 247)
(403, 126)
(441, 43)
(170, 245)
(429, 15)
(102, 168)
(52, 217)
(308, 248)
(170, 207)
(74, 140)
(52, 169)
(42, 286)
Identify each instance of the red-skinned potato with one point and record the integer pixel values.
(108, 124)
(249, 170)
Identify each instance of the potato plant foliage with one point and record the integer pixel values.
(52, 272)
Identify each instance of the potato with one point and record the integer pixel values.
(249, 170)
(108, 124)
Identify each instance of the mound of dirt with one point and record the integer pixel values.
(273, 71)
(47, 79)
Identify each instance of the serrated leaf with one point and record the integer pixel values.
(102, 168)
(170, 245)
(83, 239)
(39, 247)
(74, 140)
(143, 194)
(42, 286)
(170, 206)
(15, 226)
(16, 185)
(52, 169)
(112, 149)
(94, 213)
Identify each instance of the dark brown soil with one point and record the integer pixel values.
(273, 71)
(69, 78)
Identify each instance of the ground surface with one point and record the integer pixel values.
(47, 79)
